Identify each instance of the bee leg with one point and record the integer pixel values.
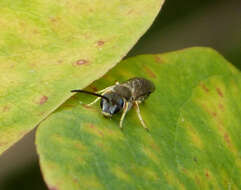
(139, 115)
(124, 114)
(91, 103)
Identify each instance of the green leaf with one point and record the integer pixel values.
(194, 117)
(48, 48)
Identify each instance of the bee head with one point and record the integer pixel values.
(114, 105)
(110, 103)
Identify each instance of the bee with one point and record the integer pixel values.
(122, 97)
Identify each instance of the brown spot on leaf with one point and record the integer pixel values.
(5, 108)
(226, 138)
(207, 174)
(221, 107)
(60, 61)
(158, 59)
(204, 88)
(154, 146)
(214, 114)
(54, 19)
(219, 92)
(100, 43)
(93, 87)
(150, 72)
(43, 99)
(81, 62)
(101, 133)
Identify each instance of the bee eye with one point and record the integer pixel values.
(103, 103)
(121, 102)
(115, 104)
(119, 105)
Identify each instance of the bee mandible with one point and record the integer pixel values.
(122, 97)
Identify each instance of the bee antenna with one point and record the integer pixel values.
(91, 93)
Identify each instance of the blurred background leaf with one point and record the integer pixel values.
(50, 47)
(214, 23)
(194, 118)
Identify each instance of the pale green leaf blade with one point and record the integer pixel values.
(194, 117)
(49, 47)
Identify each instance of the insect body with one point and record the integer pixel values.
(122, 97)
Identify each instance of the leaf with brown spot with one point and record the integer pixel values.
(43, 99)
(81, 62)
(204, 88)
(186, 146)
(219, 92)
(100, 43)
(149, 72)
(51, 47)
